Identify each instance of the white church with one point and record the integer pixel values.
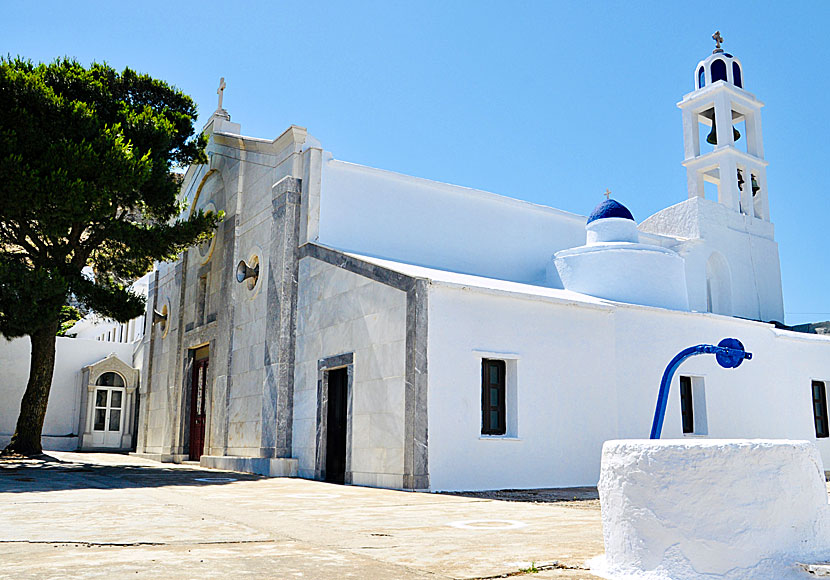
(355, 325)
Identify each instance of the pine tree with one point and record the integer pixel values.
(87, 184)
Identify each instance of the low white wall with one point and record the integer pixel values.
(727, 509)
(60, 427)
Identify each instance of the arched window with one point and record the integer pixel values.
(701, 78)
(736, 74)
(718, 70)
(110, 380)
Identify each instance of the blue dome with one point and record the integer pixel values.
(610, 209)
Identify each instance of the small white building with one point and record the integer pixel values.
(361, 326)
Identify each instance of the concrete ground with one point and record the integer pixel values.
(92, 515)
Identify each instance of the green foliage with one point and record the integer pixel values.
(531, 570)
(69, 316)
(86, 160)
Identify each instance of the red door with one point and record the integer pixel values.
(197, 408)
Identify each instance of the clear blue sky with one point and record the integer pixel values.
(550, 102)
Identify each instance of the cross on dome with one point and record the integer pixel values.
(607, 193)
(718, 39)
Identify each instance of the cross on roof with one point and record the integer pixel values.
(718, 39)
(607, 193)
(221, 92)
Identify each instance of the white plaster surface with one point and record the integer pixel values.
(61, 426)
(720, 509)
(704, 227)
(614, 265)
(394, 216)
(587, 371)
(611, 229)
(625, 272)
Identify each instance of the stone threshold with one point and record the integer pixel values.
(271, 467)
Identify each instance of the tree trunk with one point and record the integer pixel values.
(26, 438)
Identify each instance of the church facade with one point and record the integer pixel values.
(360, 326)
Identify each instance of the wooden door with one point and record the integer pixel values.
(336, 425)
(197, 407)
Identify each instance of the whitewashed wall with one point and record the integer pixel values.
(341, 312)
(394, 216)
(565, 394)
(747, 244)
(590, 373)
(60, 428)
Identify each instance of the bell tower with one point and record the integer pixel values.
(719, 103)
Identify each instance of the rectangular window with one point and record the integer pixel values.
(493, 404)
(820, 408)
(687, 405)
(693, 406)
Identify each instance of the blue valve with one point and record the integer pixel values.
(729, 353)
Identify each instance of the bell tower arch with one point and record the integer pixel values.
(718, 103)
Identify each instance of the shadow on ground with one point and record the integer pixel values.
(552, 495)
(47, 473)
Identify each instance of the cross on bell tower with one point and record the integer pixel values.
(718, 39)
(735, 167)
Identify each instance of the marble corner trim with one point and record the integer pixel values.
(285, 185)
(416, 449)
(177, 409)
(281, 322)
(147, 373)
(356, 266)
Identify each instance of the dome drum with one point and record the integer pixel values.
(614, 265)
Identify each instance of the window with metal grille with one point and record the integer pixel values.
(493, 404)
(820, 408)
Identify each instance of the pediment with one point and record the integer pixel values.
(111, 363)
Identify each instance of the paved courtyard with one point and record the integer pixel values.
(89, 515)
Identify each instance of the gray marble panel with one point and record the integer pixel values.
(281, 322)
(416, 456)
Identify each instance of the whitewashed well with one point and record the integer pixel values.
(727, 509)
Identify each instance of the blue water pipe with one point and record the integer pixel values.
(729, 353)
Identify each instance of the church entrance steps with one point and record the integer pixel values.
(162, 457)
(272, 467)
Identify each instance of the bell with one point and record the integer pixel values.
(712, 137)
(740, 180)
(755, 187)
(244, 271)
